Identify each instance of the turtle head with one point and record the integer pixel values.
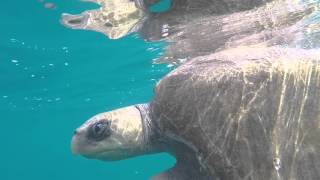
(112, 135)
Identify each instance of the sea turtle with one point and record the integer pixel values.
(242, 113)
(244, 105)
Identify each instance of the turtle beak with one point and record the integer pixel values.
(75, 143)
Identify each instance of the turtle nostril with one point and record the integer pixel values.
(75, 132)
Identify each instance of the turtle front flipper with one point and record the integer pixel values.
(187, 167)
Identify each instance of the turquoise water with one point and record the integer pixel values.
(53, 79)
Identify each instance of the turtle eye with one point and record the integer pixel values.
(108, 25)
(100, 130)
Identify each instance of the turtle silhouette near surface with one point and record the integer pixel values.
(247, 108)
(195, 28)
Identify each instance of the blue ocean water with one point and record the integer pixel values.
(52, 79)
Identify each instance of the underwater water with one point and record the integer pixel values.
(53, 79)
